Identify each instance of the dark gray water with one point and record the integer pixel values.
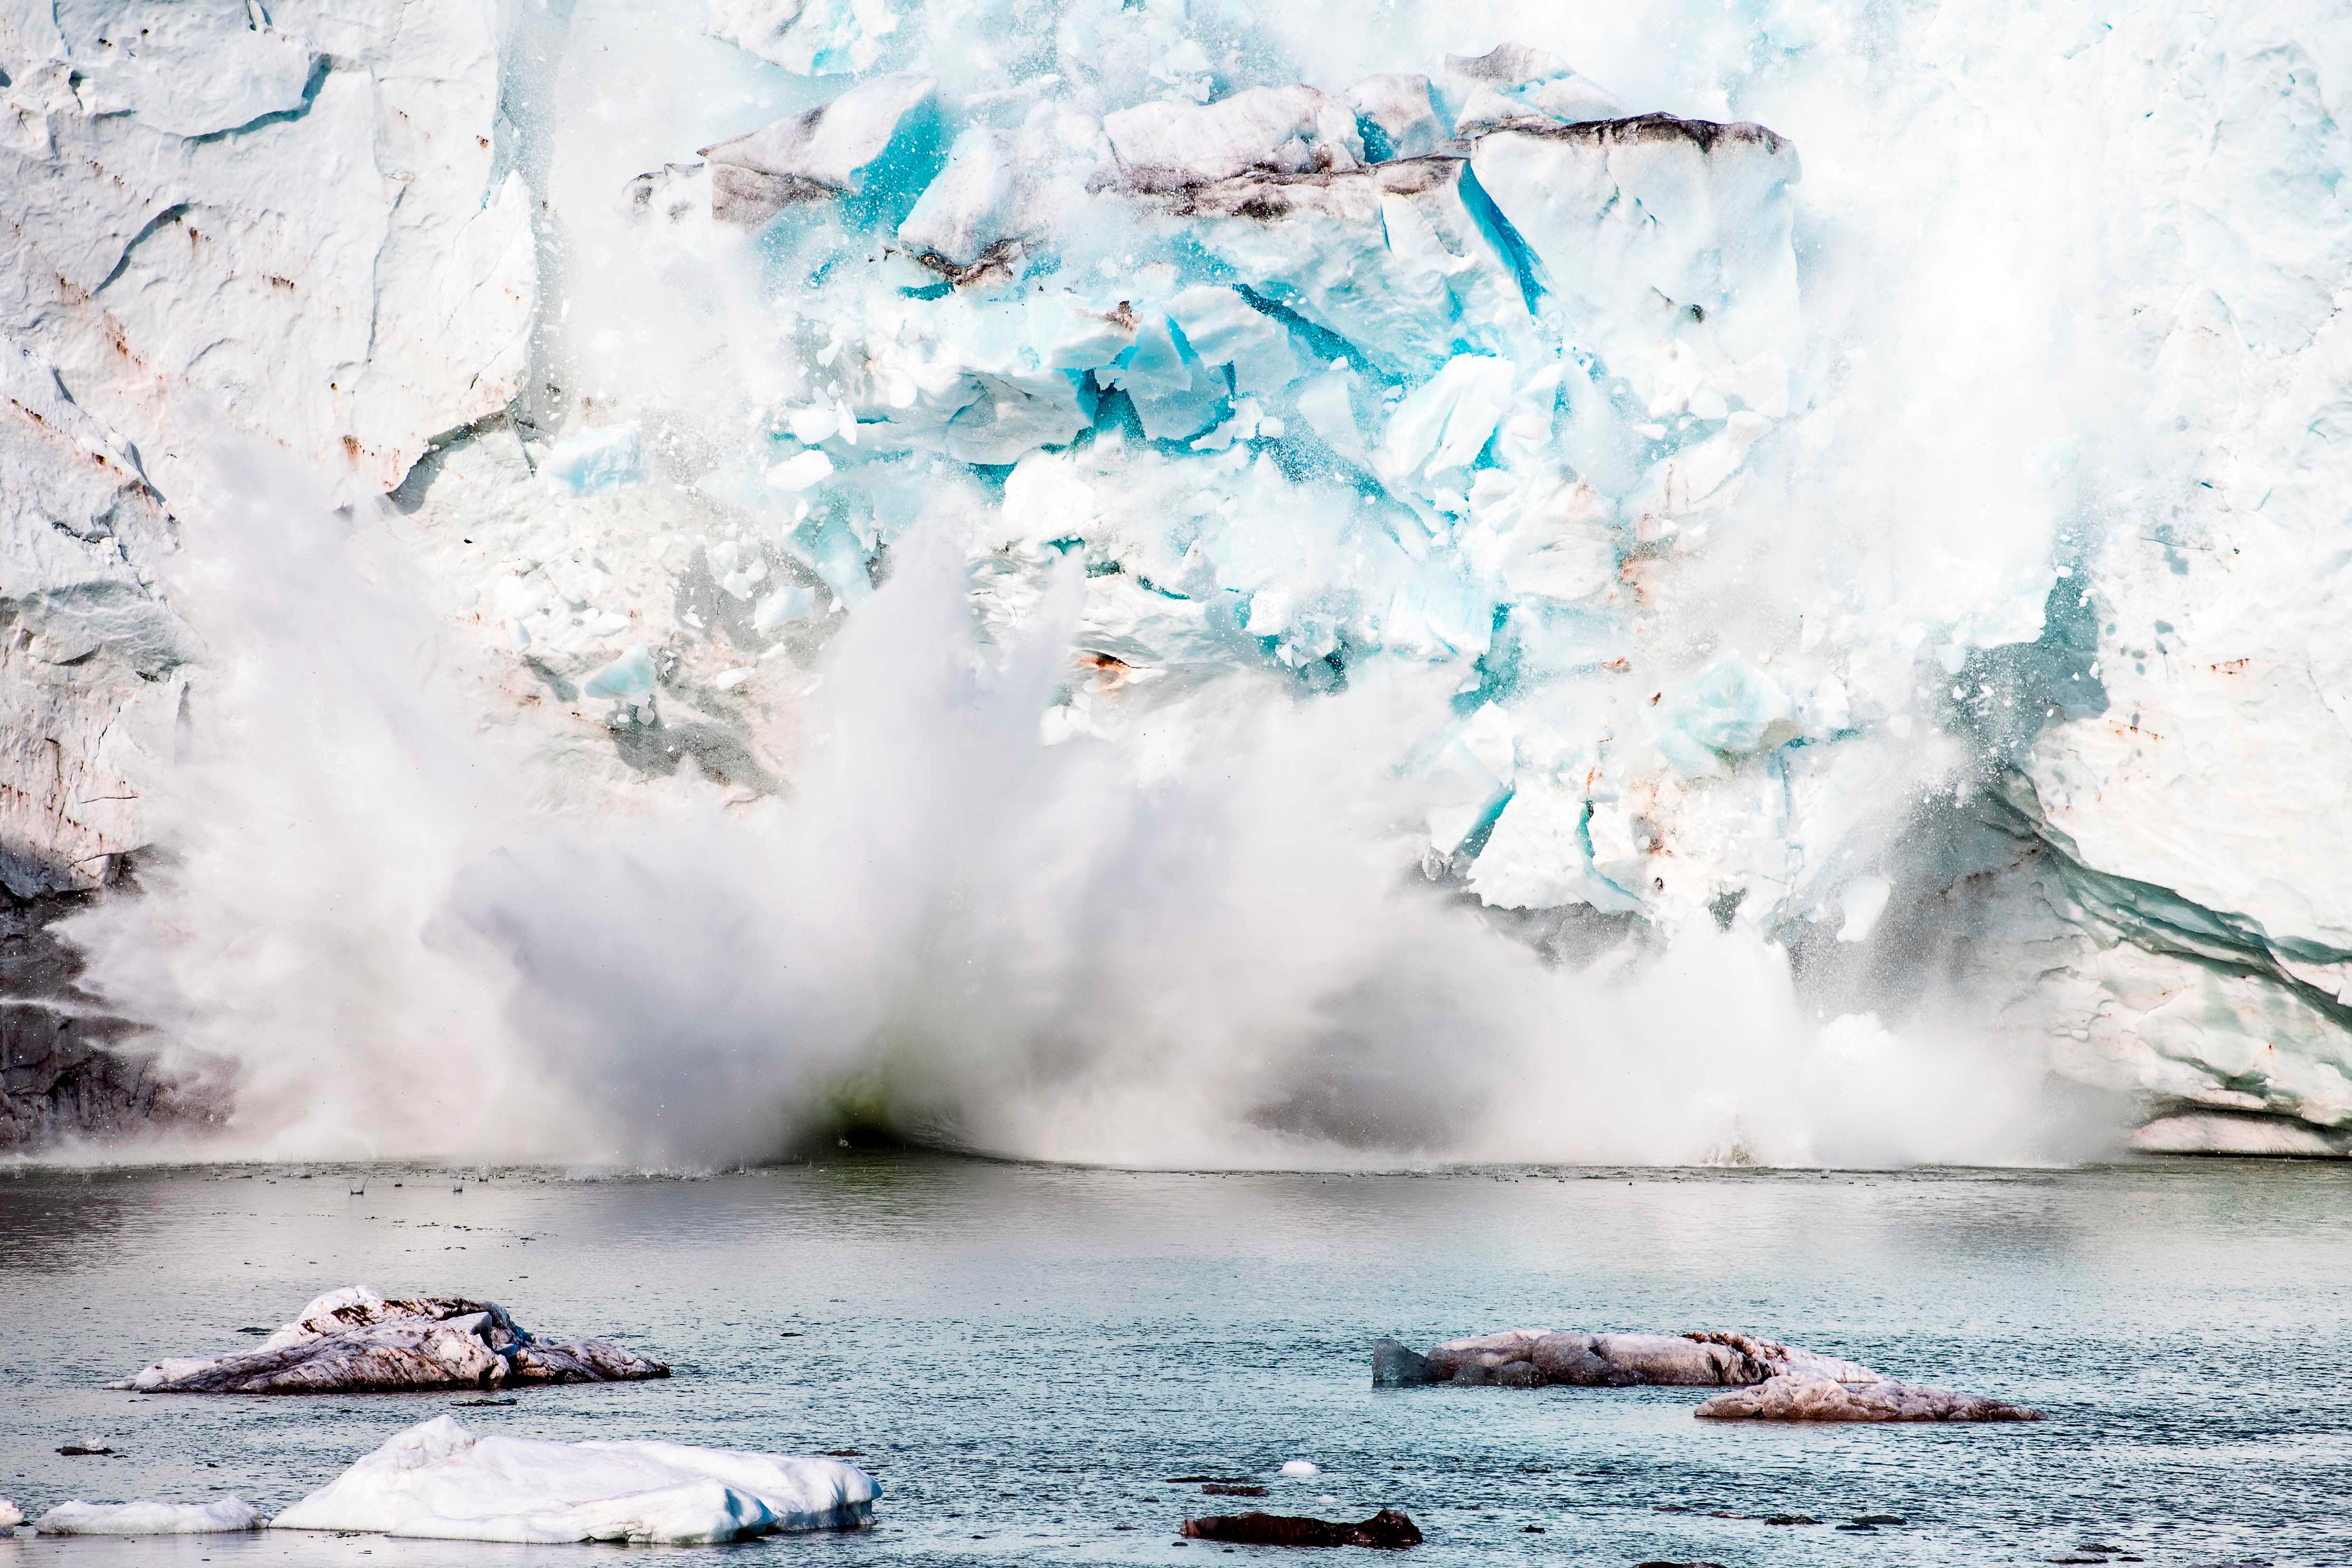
(1024, 1355)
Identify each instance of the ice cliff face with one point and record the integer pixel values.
(1916, 560)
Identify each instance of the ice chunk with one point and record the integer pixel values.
(352, 1338)
(1300, 1469)
(1730, 710)
(11, 1515)
(1222, 328)
(594, 461)
(146, 1516)
(1391, 260)
(782, 607)
(799, 472)
(1796, 1397)
(1168, 146)
(441, 1481)
(1396, 116)
(1863, 899)
(1447, 423)
(1174, 393)
(814, 37)
(628, 679)
(1518, 85)
(1634, 220)
(1003, 189)
(829, 151)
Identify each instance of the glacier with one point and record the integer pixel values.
(1179, 583)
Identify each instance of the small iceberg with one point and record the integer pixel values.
(441, 1481)
(146, 1516)
(1773, 1382)
(352, 1340)
(11, 1516)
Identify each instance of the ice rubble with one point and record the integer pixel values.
(1481, 371)
(147, 1516)
(1770, 1381)
(440, 1480)
(352, 1340)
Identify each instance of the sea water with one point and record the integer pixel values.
(1027, 1355)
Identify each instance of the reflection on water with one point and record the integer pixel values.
(1025, 1355)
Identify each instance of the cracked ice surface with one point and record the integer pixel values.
(1777, 488)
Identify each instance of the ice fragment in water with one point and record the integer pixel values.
(442, 1482)
(145, 1516)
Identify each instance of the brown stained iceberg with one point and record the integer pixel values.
(1770, 1381)
(1387, 1530)
(354, 1340)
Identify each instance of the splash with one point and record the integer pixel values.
(1178, 911)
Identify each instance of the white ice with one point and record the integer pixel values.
(148, 1516)
(439, 1480)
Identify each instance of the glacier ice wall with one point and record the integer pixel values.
(1188, 582)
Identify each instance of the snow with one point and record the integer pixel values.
(146, 1517)
(441, 1480)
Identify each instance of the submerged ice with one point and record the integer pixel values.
(1660, 554)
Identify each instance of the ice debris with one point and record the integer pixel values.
(1775, 1382)
(594, 461)
(353, 1339)
(146, 1516)
(441, 1480)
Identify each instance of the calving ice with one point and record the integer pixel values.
(1169, 585)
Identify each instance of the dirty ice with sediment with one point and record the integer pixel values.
(1189, 583)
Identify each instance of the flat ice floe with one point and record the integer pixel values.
(1772, 1381)
(145, 1516)
(440, 1480)
(353, 1340)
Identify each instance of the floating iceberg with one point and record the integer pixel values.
(1775, 1382)
(352, 1340)
(145, 1517)
(440, 1480)
(10, 1514)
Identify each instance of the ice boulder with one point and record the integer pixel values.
(1165, 146)
(1731, 710)
(1398, 260)
(145, 1516)
(1396, 116)
(1003, 190)
(813, 38)
(11, 1515)
(1800, 1396)
(441, 1481)
(834, 150)
(1774, 1382)
(1515, 84)
(594, 461)
(1663, 240)
(353, 1339)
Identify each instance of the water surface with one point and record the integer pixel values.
(1024, 1355)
